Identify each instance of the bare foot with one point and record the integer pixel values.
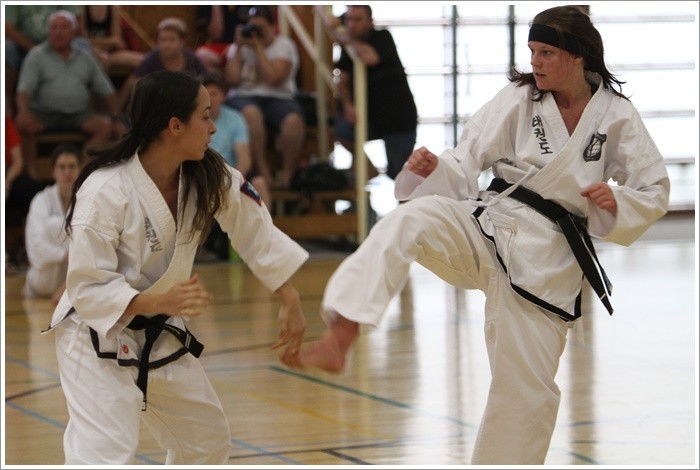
(329, 352)
(324, 354)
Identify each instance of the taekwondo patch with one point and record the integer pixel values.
(249, 190)
(595, 148)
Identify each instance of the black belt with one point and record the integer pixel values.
(153, 326)
(574, 229)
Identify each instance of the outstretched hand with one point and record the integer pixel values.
(422, 162)
(602, 196)
(292, 325)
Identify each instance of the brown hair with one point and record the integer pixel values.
(575, 24)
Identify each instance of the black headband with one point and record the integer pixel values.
(549, 35)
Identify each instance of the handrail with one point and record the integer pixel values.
(287, 18)
(137, 28)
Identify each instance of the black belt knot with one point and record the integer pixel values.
(153, 326)
(574, 229)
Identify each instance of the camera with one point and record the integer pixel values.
(249, 30)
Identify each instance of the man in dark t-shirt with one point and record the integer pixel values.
(391, 109)
(171, 53)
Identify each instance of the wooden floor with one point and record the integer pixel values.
(415, 387)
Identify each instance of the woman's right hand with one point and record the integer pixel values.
(188, 298)
(422, 162)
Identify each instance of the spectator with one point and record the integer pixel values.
(219, 23)
(171, 53)
(231, 139)
(46, 241)
(19, 191)
(391, 109)
(231, 142)
(56, 87)
(262, 68)
(101, 25)
(25, 27)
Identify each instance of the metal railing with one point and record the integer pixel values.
(316, 48)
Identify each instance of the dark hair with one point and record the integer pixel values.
(158, 97)
(573, 22)
(214, 78)
(263, 12)
(367, 8)
(65, 148)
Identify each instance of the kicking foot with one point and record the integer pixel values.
(324, 354)
(329, 352)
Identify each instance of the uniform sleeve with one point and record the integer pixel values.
(96, 289)
(642, 192)
(270, 254)
(480, 146)
(46, 241)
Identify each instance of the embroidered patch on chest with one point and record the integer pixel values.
(594, 150)
(538, 131)
(151, 236)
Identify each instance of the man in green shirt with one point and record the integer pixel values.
(57, 82)
(25, 27)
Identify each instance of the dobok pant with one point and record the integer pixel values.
(524, 342)
(183, 414)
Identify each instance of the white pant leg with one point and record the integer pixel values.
(435, 231)
(185, 415)
(104, 403)
(524, 345)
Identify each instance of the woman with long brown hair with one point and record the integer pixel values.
(138, 212)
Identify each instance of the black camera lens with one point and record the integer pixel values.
(249, 30)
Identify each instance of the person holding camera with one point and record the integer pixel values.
(261, 68)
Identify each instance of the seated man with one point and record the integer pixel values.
(262, 67)
(56, 85)
(25, 27)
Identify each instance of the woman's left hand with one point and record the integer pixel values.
(292, 324)
(602, 196)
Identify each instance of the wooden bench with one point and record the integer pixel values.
(314, 216)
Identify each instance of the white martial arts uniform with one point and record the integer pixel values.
(46, 243)
(524, 142)
(125, 241)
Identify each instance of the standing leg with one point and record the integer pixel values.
(524, 345)
(104, 403)
(185, 415)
